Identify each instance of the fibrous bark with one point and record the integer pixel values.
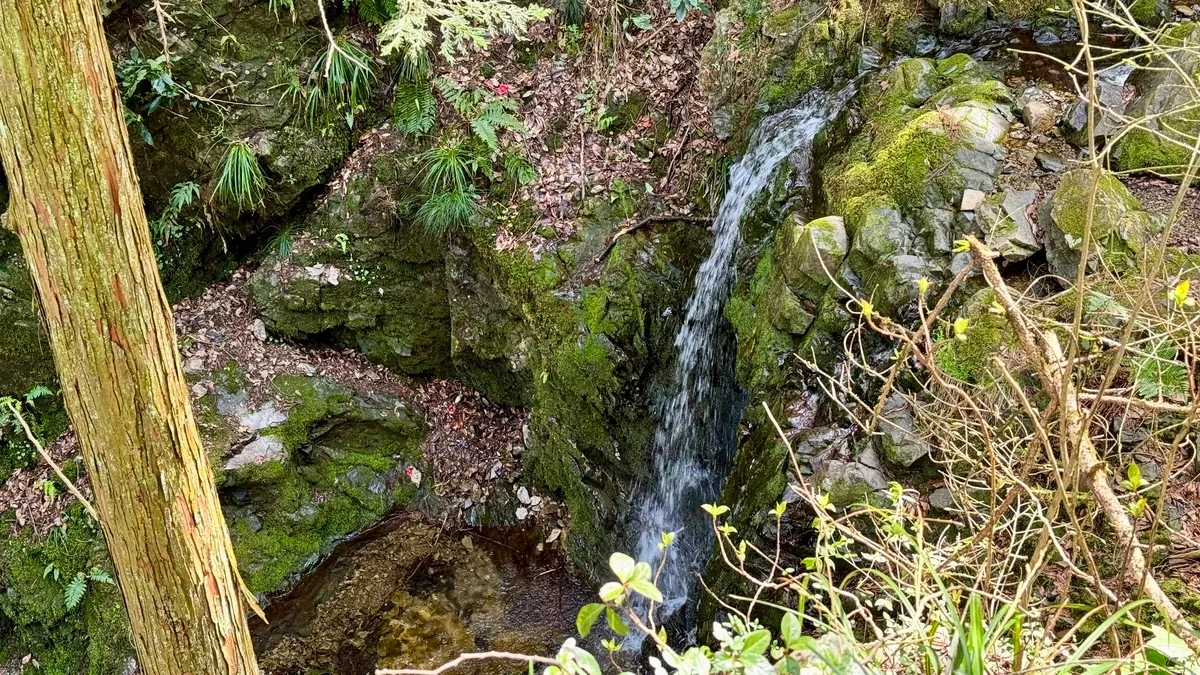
(77, 208)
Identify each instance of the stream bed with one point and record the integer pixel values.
(409, 594)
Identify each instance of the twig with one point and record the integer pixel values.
(470, 656)
(646, 221)
(53, 467)
(163, 18)
(1047, 356)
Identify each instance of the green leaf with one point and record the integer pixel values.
(75, 590)
(585, 660)
(611, 591)
(641, 572)
(97, 574)
(789, 630)
(622, 566)
(646, 589)
(588, 614)
(715, 511)
(615, 623)
(757, 642)
(1168, 644)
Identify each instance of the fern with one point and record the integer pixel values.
(461, 23)
(241, 180)
(376, 12)
(98, 575)
(414, 107)
(519, 168)
(73, 594)
(496, 115)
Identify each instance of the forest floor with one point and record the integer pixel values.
(473, 445)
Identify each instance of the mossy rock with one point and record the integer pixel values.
(1162, 93)
(92, 637)
(1120, 230)
(988, 335)
(340, 464)
(239, 52)
(363, 276)
(24, 350)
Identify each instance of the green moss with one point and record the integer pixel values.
(23, 347)
(346, 453)
(970, 359)
(93, 637)
(230, 378)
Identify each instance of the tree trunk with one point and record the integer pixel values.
(76, 205)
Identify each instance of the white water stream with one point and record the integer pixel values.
(684, 461)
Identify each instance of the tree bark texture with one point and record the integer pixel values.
(76, 206)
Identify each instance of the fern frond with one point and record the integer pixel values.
(73, 594)
(462, 24)
(414, 107)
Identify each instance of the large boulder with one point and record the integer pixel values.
(358, 274)
(1166, 101)
(1120, 228)
(323, 462)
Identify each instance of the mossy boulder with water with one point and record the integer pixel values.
(763, 59)
(1166, 101)
(361, 273)
(581, 337)
(773, 311)
(337, 461)
(1120, 229)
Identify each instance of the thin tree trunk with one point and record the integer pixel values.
(76, 205)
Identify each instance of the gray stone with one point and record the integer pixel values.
(898, 441)
(254, 523)
(1048, 162)
(259, 330)
(1039, 116)
(266, 416)
(1004, 220)
(971, 199)
(810, 252)
(848, 483)
(941, 500)
(1110, 85)
(1166, 104)
(259, 451)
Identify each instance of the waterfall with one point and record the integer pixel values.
(687, 467)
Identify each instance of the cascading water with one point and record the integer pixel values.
(686, 463)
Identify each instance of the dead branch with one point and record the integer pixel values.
(471, 656)
(1046, 355)
(647, 221)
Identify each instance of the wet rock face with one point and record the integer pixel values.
(237, 55)
(1162, 92)
(1120, 228)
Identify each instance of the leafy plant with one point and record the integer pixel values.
(486, 114)
(77, 587)
(1157, 373)
(146, 85)
(282, 244)
(240, 181)
(166, 227)
(461, 23)
(376, 12)
(414, 108)
(682, 7)
(451, 198)
(340, 80)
